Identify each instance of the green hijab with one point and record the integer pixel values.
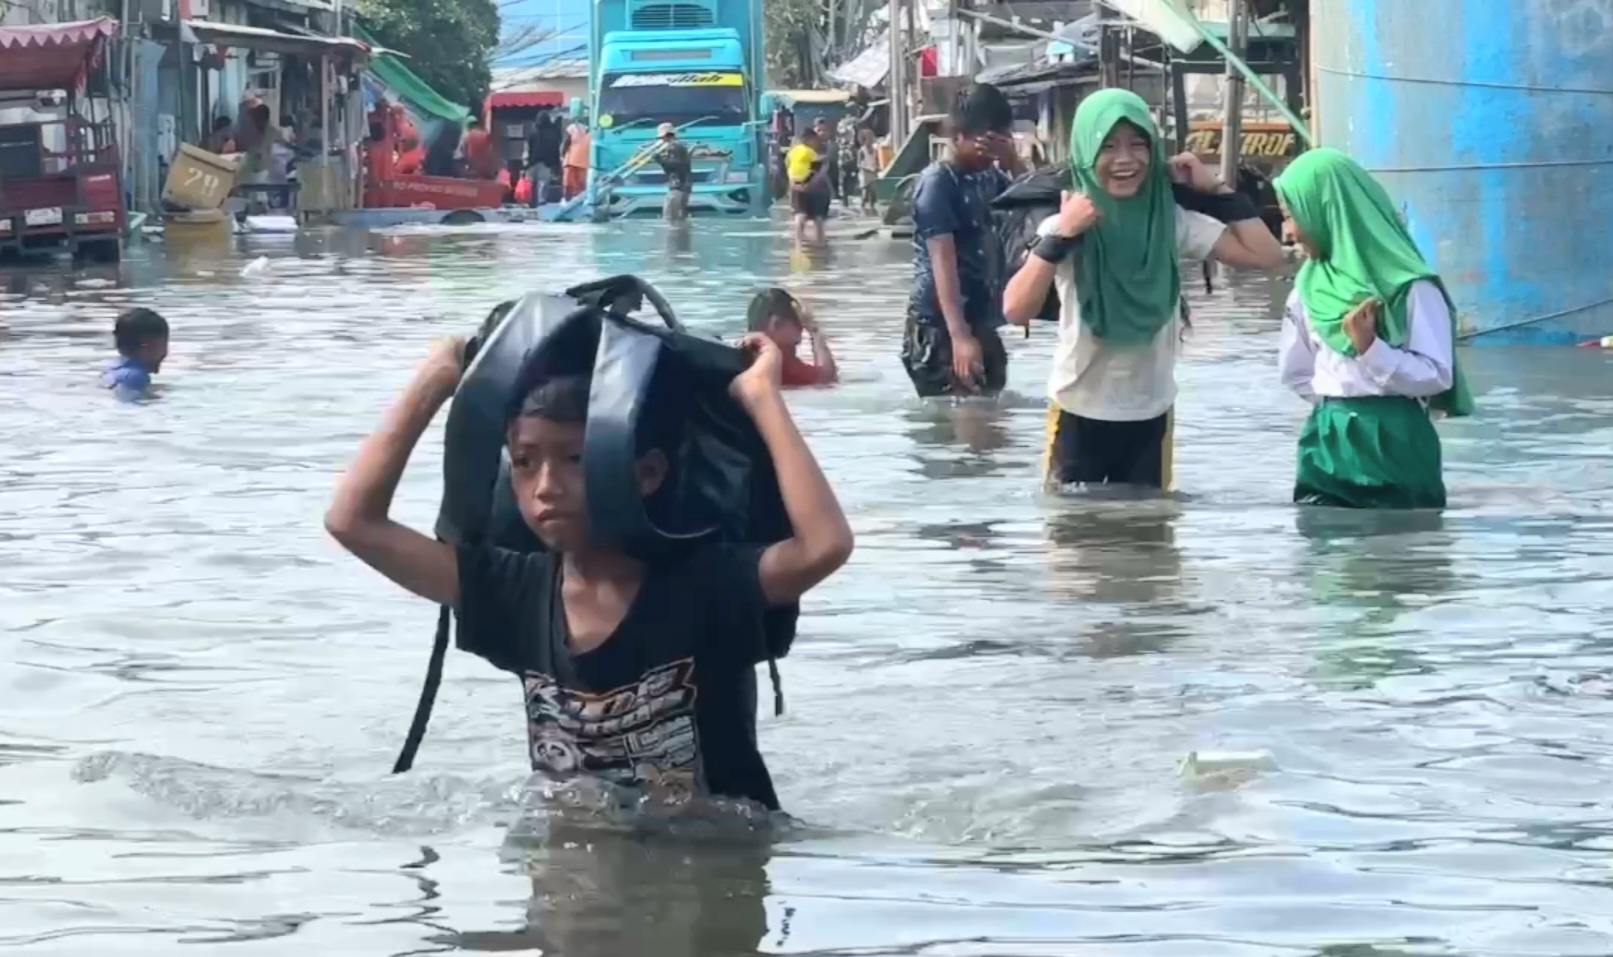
(1125, 271)
(1364, 251)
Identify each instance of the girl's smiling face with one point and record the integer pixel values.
(1122, 163)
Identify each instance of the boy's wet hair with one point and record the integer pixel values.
(137, 327)
(982, 109)
(564, 399)
(768, 303)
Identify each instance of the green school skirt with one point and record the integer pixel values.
(1377, 452)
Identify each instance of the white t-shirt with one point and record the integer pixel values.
(1096, 380)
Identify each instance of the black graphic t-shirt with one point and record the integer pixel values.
(667, 704)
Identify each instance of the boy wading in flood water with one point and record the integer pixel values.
(141, 336)
(1113, 250)
(778, 315)
(1369, 337)
(951, 345)
(639, 674)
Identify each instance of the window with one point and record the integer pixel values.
(646, 99)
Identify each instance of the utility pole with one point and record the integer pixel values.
(1232, 105)
(897, 80)
(910, 69)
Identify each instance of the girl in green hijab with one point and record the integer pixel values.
(1113, 251)
(1369, 336)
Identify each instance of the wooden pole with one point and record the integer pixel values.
(1109, 55)
(1232, 106)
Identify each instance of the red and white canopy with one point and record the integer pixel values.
(52, 56)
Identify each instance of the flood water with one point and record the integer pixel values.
(201, 695)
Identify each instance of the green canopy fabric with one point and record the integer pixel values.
(395, 74)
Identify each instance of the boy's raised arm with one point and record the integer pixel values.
(823, 358)
(358, 515)
(822, 541)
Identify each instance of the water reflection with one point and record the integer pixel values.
(1375, 567)
(598, 893)
(957, 440)
(679, 239)
(1118, 553)
(1381, 562)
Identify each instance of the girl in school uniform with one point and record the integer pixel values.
(1114, 251)
(1368, 336)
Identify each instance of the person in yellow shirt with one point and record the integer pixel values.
(809, 186)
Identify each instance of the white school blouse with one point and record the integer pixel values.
(1095, 380)
(1419, 369)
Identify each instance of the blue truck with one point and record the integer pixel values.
(696, 64)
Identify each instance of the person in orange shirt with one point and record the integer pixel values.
(480, 163)
(380, 153)
(574, 163)
(411, 157)
(402, 126)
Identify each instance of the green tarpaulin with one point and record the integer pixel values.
(394, 72)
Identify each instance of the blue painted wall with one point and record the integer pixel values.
(569, 18)
(1491, 122)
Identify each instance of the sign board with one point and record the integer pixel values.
(1260, 140)
(677, 79)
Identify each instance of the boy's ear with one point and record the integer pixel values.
(650, 469)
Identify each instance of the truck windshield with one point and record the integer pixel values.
(678, 98)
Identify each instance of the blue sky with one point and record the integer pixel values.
(570, 17)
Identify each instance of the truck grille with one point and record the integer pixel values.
(671, 16)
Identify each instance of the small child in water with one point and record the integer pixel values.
(141, 336)
(781, 317)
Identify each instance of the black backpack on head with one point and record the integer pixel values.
(720, 485)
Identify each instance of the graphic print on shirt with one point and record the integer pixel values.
(640, 735)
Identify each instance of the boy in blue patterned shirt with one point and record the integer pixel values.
(142, 340)
(950, 345)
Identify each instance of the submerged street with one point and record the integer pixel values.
(201, 695)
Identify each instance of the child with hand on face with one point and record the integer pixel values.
(783, 318)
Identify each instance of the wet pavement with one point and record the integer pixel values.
(201, 696)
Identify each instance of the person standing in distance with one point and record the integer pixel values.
(809, 184)
(951, 345)
(678, 165)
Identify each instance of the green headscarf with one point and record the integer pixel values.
(1126, 270)
(1363, 252)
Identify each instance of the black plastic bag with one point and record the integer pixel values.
(720, 485)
